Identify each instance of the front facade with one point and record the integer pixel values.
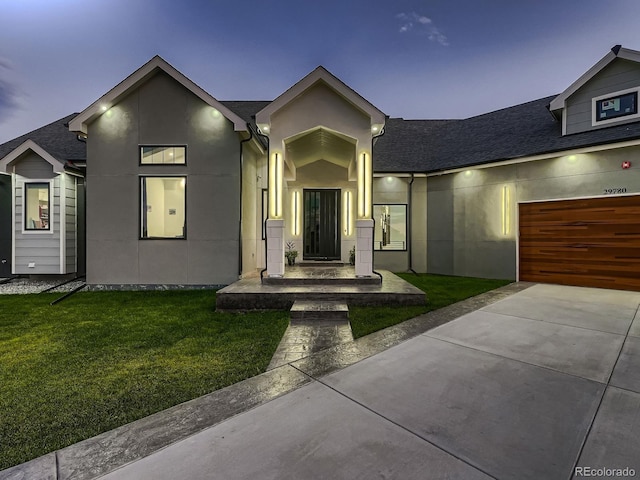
(183, 189)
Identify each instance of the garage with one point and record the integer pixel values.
(593, 242)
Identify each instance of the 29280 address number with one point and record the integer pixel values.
(613, 191)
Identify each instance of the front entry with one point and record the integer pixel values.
(321, 225)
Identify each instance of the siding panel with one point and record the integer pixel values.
(617, 76)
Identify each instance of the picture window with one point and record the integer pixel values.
(163, 207)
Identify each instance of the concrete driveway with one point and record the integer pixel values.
(541, 385)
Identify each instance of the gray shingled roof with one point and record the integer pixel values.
(514, 132)
(246, 109)
(54, 138)
(411, 145)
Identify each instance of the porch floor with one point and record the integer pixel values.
(339, 284)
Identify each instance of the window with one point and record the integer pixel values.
(615, 106)
(36, 206)
(163, 204)
(163, 155)
(391, 227)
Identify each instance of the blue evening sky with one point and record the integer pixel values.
(410, 58)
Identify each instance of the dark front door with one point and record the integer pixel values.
(321, 225)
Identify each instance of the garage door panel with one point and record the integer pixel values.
(588, 242)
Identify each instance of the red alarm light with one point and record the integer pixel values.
(626, 165)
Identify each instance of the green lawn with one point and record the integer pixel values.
(441, 291)
(99, 360)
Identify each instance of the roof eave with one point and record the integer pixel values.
(80, 123)
(321, 74)
(558, 103)
(58, 166)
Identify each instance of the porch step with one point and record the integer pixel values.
(316, 312)
(321, 263)
(321, 275)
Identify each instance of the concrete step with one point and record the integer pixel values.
(320, 263)
(304, 311)
(293, 280)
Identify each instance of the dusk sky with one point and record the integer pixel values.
(410, 58)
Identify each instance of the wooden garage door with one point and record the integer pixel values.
(592, 242)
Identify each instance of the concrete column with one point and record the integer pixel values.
(275, 247)
(364, 248)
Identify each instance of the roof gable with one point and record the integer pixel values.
(137, 78)
(58, 166)
(321, 74)
(616, 52)
(55, 138)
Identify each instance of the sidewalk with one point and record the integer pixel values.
(527, 387)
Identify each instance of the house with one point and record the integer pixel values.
(42, 202)
(184, 189)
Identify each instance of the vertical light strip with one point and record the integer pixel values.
(506, 210)
(347, 213)
(296, 213)
(278, 187)
(367, 185)
(361, 188)
(275, 187)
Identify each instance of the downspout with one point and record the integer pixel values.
(242, 142)
(409, 226)
(373, 243)
(266, 237)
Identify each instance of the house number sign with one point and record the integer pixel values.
(614, 191)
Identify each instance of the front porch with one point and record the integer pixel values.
(321, 284)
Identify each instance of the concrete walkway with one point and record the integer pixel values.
(530, 387)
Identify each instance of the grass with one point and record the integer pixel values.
(99, 360)
(441, 291)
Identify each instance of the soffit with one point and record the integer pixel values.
(320, 144)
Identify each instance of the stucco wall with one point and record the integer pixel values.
(465, 233)
(253, 181)
(162, 112)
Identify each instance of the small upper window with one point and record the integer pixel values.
(615, 107)
(163, 155)
(36, 206)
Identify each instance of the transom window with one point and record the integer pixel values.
(152, 155)
(36, 206)
(390, 228)
(163, 207)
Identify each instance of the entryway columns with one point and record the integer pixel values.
(364, 247)
(275, 247)
(364, 223)
(275, 223)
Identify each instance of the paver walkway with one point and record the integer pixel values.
(300, 341)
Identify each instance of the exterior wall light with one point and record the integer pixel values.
(348, 227)
(506, 210)
(364, 186)
(275, 186)
(295, 211)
